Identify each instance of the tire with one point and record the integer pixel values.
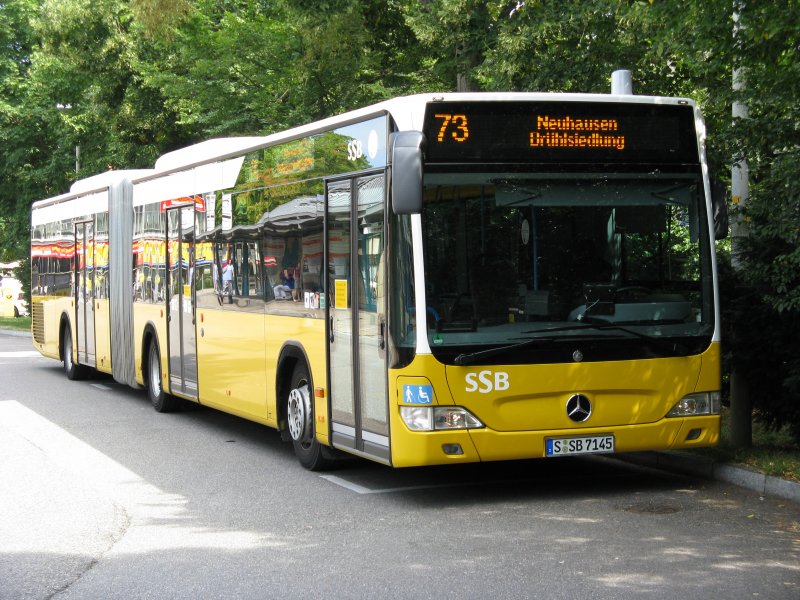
(300, 422)
(73, 370)
(160, 400)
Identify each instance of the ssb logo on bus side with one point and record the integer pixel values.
(485, 382)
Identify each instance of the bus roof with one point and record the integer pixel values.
(205, 151)
(106, 179)
(95, 183)
(406, 111)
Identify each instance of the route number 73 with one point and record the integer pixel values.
(457, 125)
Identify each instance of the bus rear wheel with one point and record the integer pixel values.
(160, 400)
(73, 370)
(300, 420)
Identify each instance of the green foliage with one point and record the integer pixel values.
(245, 68)
(73, 85)
(774, 452)
(768, 44)
(16, 323)
(764, 346)
(457, 35)
(571, 46)
(762, 343)
(225, 73)
(159, 17)
(17, 158)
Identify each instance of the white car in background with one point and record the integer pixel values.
(12, 298)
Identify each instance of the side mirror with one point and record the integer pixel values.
(719, 209)
(407, 151)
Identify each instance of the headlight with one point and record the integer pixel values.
(428, 418)
(706, 403)
(418, 418)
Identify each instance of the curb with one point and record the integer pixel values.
(701, 466)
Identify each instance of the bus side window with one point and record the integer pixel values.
(247, 270)
(223, 271)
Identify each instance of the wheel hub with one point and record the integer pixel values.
(299, 414)
(155, 376)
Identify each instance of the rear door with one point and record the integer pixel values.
(84, 292)
(181, 310)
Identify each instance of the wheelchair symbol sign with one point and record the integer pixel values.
(418, 394)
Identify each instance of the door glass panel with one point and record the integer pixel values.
(89, 293)
(174, 297)
(84, 324)
(338, 298)
(188, 335)
(180, 303)
(371, 305)
(80, 290)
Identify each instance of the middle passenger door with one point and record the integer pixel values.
(357, 315)
(181, 302)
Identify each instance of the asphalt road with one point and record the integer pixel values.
(101, 497)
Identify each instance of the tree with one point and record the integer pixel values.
(354, 53)
(766, 299)
(17, 38)
(245, 68)
(457, 36)
(226, 68)
(69, 80)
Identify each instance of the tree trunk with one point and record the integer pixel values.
(741, 400)
(741, 415)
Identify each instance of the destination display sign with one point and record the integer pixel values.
(492, 132)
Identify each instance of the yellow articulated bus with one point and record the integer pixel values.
(434, 279)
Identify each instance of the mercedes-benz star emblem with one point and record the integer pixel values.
(579, 408)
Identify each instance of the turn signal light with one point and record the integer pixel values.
(705, 403)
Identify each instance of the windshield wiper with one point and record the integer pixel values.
(471, 357)
(667, 347)
(588, 322)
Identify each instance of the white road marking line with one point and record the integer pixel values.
(360, 489)
(353, 487)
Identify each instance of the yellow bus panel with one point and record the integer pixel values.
(521, 406)
(230, 362)
(102, 335)
(46, 320)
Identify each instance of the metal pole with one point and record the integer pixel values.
(622, 82)
(741, 416)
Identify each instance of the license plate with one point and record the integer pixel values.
(596, 444)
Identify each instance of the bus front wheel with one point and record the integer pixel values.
(300, 420)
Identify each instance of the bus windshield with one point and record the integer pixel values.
(620, 262)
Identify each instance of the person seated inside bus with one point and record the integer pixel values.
(285, 289)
